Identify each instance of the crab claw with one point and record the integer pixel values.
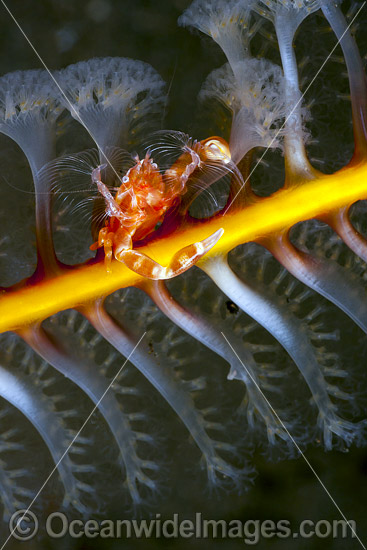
(181, 261)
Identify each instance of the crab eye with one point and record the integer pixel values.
(217, 149)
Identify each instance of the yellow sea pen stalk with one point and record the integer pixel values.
(283, 209)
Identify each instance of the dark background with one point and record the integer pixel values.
(65, 32)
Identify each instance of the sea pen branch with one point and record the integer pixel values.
(85, 283)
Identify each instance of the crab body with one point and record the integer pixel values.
(141, 201)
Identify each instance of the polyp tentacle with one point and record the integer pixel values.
(86, 376)
(161, 378)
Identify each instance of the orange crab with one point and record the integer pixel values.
(143, 198)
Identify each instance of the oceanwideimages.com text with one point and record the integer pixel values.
(24, 525)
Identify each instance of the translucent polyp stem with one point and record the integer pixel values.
(160, 376)
(297, 164)
(82, 284)
(35, 406)
(235, 50)
(240, 192)
(199, 328)
(87, 377)
(327, 278)
(356, 74)
(277, 319)
(242, 138)
(38, 144)
(193, 324)
(47, 260)
(340, 222)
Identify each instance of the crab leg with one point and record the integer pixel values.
(181, 261)
(113, 208)
(182, 170)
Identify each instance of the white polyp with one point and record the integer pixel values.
(228, 23)
(208, 334)
(162, 378)
(274, 316)
(111, 96)
(29, 110)
(87, 377)
(255, 94)
(293, 12)
(38, 409)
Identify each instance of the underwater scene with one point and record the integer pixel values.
(183, 248)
